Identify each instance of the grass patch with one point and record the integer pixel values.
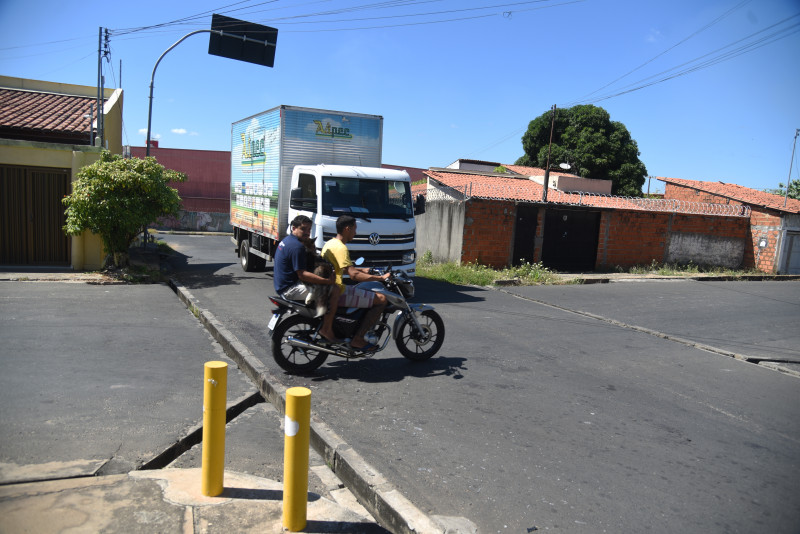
(481, 275)
(686, 269)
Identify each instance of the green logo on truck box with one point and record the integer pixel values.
(328, 131)
(252, 149)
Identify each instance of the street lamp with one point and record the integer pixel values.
(565, 166)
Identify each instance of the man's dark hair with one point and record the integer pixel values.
(343, 222)
(300, 220)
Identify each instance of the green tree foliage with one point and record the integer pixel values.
(794, 189)
(115, 198)
(594, 145)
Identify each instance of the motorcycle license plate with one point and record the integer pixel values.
(273, 321)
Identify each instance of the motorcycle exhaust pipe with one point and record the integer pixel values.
(294, 342)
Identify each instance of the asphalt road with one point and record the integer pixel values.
(533, 417)
(98, 377)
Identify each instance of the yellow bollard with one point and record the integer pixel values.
(295, 458)
(214, 403)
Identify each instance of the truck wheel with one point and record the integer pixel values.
(250, 262)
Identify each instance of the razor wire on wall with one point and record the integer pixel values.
(594, 200)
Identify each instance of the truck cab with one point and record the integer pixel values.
(379, 199)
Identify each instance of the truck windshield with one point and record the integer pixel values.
(367, 199)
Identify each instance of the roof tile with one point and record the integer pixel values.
(742, 194)
(45, 112)
(523, 190)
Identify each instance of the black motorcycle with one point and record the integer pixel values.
(298, 347)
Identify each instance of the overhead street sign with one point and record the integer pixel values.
(242, 40)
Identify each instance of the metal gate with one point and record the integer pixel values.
(792, 253)
(570, 240)
(32, 216)
(525, 233)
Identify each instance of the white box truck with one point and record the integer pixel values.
(292, 160)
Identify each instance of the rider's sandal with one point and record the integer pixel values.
(369, 347)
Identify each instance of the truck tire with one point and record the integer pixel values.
(250, 262)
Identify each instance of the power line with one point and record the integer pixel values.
(704, 28)
(715, 60)
(663, 76)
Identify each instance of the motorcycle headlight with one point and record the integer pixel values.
(409, 257)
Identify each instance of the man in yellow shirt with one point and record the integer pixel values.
(335, 251)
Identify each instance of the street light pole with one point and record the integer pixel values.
(221, 33)
(153, 77)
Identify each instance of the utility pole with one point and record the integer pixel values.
(99, 82)
(549, 146)
(789, 181)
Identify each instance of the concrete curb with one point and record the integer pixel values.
(387, 505)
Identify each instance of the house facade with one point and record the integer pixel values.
(46, 134)
(773, 240)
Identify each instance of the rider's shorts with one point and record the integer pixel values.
(299, 291)
(356, 298)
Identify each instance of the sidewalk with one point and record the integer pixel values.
(80, 428)
(167, 500)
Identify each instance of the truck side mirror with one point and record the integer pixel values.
(419, 205)
(298, 202)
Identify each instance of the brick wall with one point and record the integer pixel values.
(628, 238)
(764, 224)
(488, 232)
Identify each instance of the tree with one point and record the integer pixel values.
(593, 144)
(115, 198)
(794, 189)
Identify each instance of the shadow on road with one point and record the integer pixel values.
(437, 292)
(384, 370)
(204, 275)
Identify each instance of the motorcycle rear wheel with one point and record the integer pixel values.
(296, 360)
(421, 347)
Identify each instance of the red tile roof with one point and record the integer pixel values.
(525, 190)
(34, 115)
(739, 193)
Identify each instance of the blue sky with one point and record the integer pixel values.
(452, 78)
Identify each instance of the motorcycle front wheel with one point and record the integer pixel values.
(422, 345)
(296, 360)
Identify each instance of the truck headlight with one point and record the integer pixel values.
(409, 257)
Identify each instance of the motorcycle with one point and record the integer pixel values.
(298, 347)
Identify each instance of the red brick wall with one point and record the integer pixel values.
(208, 185)
(629, 238)
(488, 232)
(626, 238)
(764, 223)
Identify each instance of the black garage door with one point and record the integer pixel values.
(570, 240)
